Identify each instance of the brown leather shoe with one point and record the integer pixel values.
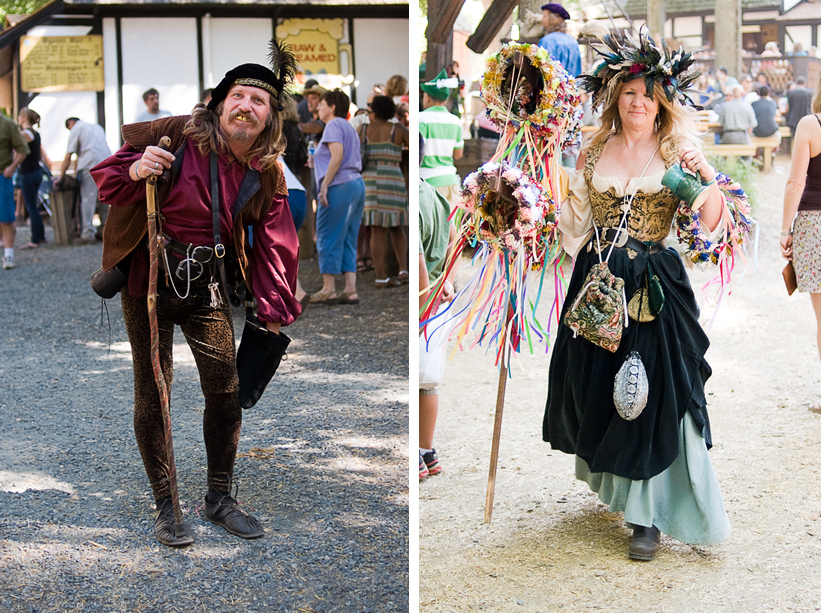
(223, 509)
(165, 529)
(645, 543)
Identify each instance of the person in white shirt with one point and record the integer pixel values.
(153, 110)
(750, 91)
(87, 141)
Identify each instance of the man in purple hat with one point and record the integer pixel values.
(562, 47)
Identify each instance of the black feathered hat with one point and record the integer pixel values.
(275, 82)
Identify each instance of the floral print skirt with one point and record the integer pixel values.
(806, 242)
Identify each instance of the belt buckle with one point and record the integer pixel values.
(190, 264)
(621, 237)
(208, 250)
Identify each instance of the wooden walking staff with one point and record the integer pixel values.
(503, 191)
(154, 238)
(521, 69)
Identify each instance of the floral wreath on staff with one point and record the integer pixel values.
(485, 217)
(556, 110)
(508, 207)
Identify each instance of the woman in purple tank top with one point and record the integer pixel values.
(801, 226)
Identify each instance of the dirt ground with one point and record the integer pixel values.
(553, 546)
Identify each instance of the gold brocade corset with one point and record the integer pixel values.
(651, 214)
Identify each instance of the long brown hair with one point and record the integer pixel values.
(203, 128)
(32, 116)
(816, 99)
(676, 123)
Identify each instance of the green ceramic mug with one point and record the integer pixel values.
(685, 186)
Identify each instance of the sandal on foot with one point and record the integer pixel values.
(364, 264)
(165, 529)
(30, 246)
(304, 301)
(403, 277)
(224, 511)
(345, 298)
(321, 298)
(383, 283)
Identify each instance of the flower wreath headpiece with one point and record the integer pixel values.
(625, 59)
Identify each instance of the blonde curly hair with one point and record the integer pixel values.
(676, 123)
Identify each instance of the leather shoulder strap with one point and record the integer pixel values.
(219, 248)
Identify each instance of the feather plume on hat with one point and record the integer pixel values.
(283, 63)
(624, 58)
(276, 81)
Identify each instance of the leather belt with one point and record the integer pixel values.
(621, 238)
(201, 254)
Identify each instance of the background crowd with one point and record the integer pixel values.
(346, 169)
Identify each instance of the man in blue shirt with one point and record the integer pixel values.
(562, 47)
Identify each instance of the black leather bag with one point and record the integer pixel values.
(258, 357)
(106, 283)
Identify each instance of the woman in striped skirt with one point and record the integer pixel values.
(386, 195)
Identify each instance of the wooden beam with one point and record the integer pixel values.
(490, 25)
(442, 15)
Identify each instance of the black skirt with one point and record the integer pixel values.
(580, 417)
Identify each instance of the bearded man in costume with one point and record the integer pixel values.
(204, 216)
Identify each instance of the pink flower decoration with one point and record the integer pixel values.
(635, 68)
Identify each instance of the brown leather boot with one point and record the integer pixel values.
(645, 543)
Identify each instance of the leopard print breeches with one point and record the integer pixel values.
(210, 335)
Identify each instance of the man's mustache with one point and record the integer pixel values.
(248, 115)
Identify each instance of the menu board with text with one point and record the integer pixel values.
(61, 63)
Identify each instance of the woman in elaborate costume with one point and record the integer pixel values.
(653, 468)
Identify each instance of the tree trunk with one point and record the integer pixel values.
(728, 36)
(656, 16)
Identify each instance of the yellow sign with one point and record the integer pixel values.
(61, 63)
(315, 51)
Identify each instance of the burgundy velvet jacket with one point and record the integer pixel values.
(269, 268)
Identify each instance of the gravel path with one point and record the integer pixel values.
(553, 546)
(323, 460)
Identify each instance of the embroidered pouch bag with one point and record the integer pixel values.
(597, 313)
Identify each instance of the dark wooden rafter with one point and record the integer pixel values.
(442, 15)
(493, 20)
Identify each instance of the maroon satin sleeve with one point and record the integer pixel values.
(113, 183)
(274, 265)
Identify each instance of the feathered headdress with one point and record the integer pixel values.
(274, 81)
(625, 59)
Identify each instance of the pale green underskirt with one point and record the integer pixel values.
(684, 501)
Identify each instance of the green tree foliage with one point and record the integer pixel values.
(745, 172)
(19, 7)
